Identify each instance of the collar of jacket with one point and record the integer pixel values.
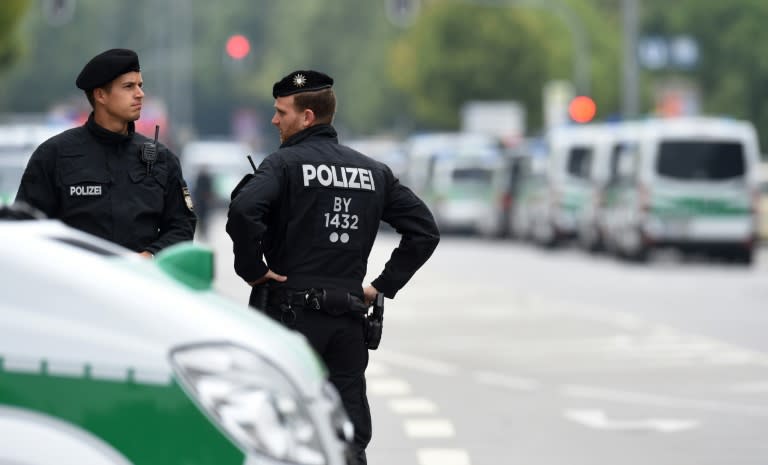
(324, 131)
(107, 136)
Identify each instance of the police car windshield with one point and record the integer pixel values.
(695, 160)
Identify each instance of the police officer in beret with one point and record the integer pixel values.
(103, 177)
(304, 225)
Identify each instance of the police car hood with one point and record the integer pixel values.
(68, 309)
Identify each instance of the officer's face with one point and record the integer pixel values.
(124, 98)
(288, 119)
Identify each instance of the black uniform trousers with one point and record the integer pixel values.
(340, 342)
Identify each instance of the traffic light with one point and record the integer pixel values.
(582, 109)
(238, 46)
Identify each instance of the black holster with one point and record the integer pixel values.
(374, 323)
(259, 297)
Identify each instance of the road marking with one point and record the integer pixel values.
(443, 457)
(430, 428)
(413, 406)
(388, 387)
(639, 398)
(434, 367)
(510, 382)
(597, 419)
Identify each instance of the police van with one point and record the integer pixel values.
(691, 184)
(561, 198)
(463, 190)
(110, 358)
(614, 146)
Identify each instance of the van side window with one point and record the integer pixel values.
(624, 162)
(706, 160)
(580, 162)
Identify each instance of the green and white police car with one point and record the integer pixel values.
(109, 358)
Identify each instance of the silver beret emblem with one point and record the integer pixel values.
(299, 80)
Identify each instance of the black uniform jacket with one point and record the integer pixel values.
(94, 180)
(313, 210)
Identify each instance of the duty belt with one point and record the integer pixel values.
(331, 301)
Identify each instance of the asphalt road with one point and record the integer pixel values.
(501, 353)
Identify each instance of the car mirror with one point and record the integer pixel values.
(189, 263)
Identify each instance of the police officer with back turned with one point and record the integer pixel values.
(103, 177)
(303, 226)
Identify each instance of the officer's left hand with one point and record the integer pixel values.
(269, 276)
(369, 293)
(146, 254)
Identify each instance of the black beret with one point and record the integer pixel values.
(106, 66)
(301, 81)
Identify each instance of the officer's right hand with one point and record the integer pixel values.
(268, 276)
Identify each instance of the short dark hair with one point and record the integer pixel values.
(89, 93)
(321, 102)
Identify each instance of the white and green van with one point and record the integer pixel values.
(566, 190)
(109, 358)
(690, 184)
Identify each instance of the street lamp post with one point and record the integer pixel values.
(630, 92)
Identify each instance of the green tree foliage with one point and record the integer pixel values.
(459, 51)
(732, 73)
(55, 53)
(412, 78)
(11, 13)
(349, 40)
(346, 38)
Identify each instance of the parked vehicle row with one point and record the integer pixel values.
(690, 184)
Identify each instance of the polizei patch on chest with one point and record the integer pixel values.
(347, 177)
(85, 191)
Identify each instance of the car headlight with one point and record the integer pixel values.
(251, 400)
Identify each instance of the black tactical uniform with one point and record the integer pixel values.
(94, 180)
(313, 210)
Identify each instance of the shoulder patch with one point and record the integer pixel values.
(188, 198)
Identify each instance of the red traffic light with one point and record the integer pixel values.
(582, 109)
(238, 46)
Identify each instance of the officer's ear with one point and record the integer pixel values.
(100, 94)
(309, 117)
